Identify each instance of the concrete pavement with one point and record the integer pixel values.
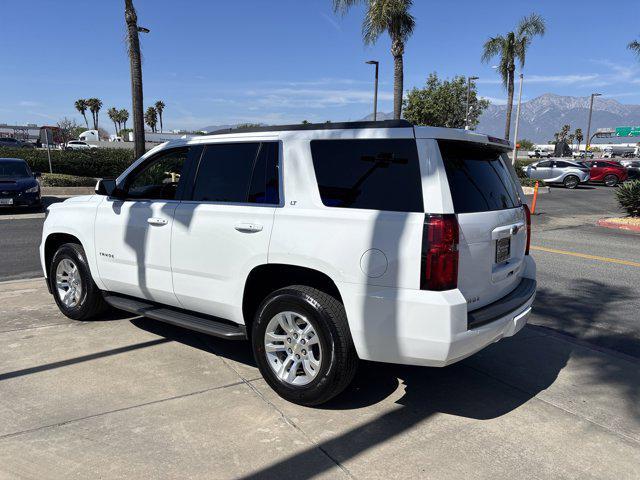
(132, 398)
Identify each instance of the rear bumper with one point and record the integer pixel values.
(416, 327)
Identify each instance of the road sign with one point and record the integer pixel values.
(628, 131)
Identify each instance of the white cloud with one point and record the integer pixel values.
(314, 97)
(495, 100)
(29, 103)
(331, 21)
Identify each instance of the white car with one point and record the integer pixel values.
(79, 145)
(321, 244)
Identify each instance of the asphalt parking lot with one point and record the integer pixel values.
(131, 398)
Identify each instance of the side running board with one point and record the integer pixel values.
(199, 323)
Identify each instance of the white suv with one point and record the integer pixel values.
(321, 244)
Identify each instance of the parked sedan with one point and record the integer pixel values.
(570, 174)
(633, 169)
(18, 186)
(13, 143)
(79, 145)
(610, 173)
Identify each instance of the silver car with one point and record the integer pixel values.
(570, 174)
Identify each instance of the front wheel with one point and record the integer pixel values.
(302, 345)
(571, 182)
(74, 291)
(611, 180)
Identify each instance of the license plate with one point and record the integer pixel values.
(503, 249)
(6, 201)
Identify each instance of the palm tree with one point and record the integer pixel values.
(131, 19)
(124, 117)
(579, 137)
(94, 104)
(160, 108)
(151, 118)
(113, 115)
(635, 47)
(510, 48)
(81, 106)
(393, 17)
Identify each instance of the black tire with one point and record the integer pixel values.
(611, 180)
(571, 181)
(328, 317)
(91, 303)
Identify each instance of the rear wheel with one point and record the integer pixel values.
(571, 181)
(611, 180)
(302, 345)
(74, 291)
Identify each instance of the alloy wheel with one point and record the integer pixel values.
(68, 283)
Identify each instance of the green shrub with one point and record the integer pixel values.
(99, 163)
(628, 196)
(62, 180)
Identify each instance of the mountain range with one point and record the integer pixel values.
(542, 116)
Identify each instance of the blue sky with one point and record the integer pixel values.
(278, 61)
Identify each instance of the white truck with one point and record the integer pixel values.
(322, 244)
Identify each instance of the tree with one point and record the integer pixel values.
(526, 144)
(578, 135)
(160, 108)
(81, 106)
(564, 131)
(123, 114)
(69, 129)
(571, 138)
(510, 48)
(393, 17)
(443, 103)
(113, 115)
(135, 64)
(94, 104)
(151, 118)
(634, 47)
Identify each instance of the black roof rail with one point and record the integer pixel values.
(318, 126)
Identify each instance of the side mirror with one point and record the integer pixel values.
(106, 187)
(36, 174)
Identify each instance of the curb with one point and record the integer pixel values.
(529, 190)
(604, 222)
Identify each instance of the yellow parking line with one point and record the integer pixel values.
(590, 257)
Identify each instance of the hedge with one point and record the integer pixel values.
(62, 180)
(99, 162)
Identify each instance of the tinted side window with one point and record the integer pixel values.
(564, 165)
(158, 179)
(544, 164)
(479, 179)
(238, 173)
(371, 174)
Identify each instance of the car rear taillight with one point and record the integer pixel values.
(527, 215)
(439, 269)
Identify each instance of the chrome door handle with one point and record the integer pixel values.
(157, 221)
(248, 227)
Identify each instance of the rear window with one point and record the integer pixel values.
(479, 178)
(370, 174)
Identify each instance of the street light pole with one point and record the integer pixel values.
(375, 91)
(586, 148)
(515, 134)
(466, 118)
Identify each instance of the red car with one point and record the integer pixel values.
(611, 173)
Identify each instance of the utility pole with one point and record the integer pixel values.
(466, 118)
(375, 90)
(586, 148)
(515, 139)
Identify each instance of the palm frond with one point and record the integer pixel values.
(531, 26)
(343, 6)
(635, 47)
(492, 47)
(391, 16)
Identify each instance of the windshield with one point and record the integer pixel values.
(14, 169)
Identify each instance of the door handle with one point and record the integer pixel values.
(157, 221)
(248, 227)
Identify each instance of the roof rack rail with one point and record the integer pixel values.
(318, 126)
